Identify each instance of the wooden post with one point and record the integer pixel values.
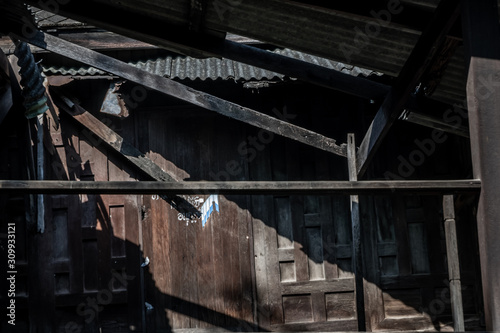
(356, 235)
(40, 173)
(482, 47)
(453, 263)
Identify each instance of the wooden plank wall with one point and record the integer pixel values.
(199, 276)
(259, 263)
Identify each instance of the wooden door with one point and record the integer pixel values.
(302, 249)
(94, 254)
(406, 279)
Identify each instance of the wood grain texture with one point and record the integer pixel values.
(244, 187)
(180, 91)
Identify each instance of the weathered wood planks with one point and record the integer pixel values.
(243, 187)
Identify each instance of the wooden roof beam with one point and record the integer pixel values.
(304, 71)
(182, 92)
(415, 67)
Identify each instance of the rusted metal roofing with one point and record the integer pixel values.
(188, 68)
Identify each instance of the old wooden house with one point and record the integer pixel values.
(232, 165)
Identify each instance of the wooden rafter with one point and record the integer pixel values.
(382, 187)
(307, 72)
(182, 92)
(415, 67)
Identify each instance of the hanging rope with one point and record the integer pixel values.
(32, 81)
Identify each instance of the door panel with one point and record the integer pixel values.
(303, 251)
(96, 250)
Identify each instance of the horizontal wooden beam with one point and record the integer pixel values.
(182, 92)
(244, 187)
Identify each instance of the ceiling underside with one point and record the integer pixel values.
(376, 35)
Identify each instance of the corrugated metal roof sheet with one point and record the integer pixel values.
(188, 68)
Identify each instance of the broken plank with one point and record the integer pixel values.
(113, 139)
(430, 187)
(123, 148)
(182, 92)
